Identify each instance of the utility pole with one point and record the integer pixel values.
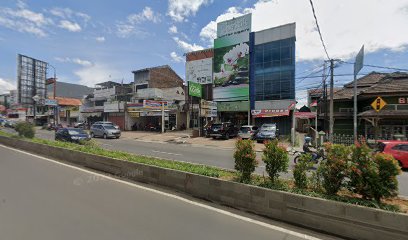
(331, 100)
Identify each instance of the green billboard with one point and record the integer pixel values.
(231, 60)
(195, 89)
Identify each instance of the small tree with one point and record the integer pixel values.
(25, 129)
(334, 169)
(386, 183)
(300, 171)
(276, 159)
(245, 159)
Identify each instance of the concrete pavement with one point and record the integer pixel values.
(43, 199)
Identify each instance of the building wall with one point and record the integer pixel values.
(164, 78)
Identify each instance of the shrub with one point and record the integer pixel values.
(300, 170)
(276, 159)
(25, 129)
(386, 183)
(334, 169)
(245, 158)
(362, 171)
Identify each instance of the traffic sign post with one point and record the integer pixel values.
(358, 65)
(378, 104)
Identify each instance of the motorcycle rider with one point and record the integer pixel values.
(307, 148)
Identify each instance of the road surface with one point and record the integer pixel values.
(42, 199)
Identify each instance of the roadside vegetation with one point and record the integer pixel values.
(353, 175)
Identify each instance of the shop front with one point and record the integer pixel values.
(140, 117)
(234, 112)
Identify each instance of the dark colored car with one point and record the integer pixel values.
(223, 130)
(71, 135)
(267, 132)
(398, 149)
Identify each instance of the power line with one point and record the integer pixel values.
(383, 67)
(318, 29)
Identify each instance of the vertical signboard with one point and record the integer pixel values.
(231, 59)
(199, 71)
(31, 77)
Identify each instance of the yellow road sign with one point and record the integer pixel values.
(378, 104)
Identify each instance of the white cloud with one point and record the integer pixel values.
(176, 58)
(180, 9)
(131, 25)
(24, 20)
(100, 39)
(146, 15)
(173, 29)
(6, 86)
(67, 13)
(70, 26)
(187, 47)
(74, 60)
(96, 73)
(370, 22)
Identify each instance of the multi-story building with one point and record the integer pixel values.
(272, 76)
(156, 83)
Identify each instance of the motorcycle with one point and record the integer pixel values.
(320, 155)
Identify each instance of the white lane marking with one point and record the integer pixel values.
(230, 214)
(176, 154)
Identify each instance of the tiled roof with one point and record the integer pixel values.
(374, 83)
(68, 101)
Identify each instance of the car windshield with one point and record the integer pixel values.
(268, 128)
(245, 129)
(109, 127)
(216, 126)
(76, 131)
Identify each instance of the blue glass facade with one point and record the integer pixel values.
(272, 70)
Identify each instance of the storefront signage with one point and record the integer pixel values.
(208, 104)
(270, 113)
(233, 106)
(199, 71)
(151, 104)
(51, 102)
(195, 89)
(209, 113)
(403, 100)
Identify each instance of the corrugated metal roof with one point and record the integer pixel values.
(68, 101)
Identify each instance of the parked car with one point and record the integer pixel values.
(223, 130)
(247, 132)
(267, 132)
(105, 131)
(108, 123)
(71, 135)
(79, 125)
(398, 149)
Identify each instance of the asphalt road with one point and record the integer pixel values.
(212, 156)
(42, 199)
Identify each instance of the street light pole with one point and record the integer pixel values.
(54, 94)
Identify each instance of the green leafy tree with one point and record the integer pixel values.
(245, 159)
(276, 159)
(300, 170)
(25, 129)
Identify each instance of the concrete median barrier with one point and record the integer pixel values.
(345, 220)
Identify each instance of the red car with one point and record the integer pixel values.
(398, 149)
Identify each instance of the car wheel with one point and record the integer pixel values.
(227, 136)
(117, 137)
(92, 135)
(258, 141)
(214, 137)
(105, 136)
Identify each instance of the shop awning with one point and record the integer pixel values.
(384, 114)
(269, 113)
(305, 115)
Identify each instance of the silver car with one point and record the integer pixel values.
(107, 123)
(105, 131)
(247, 131)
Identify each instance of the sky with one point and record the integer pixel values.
(99, 40)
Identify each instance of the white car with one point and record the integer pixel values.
(247, 131)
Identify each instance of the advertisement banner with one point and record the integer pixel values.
(195, 89)
(156, 105)
(231, 60)
(51, 102)
(199, 71)
(270, 113)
